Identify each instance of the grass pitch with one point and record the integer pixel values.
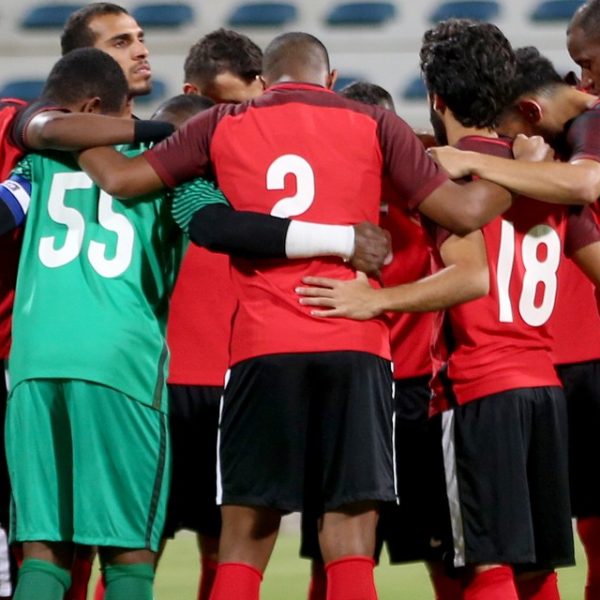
(287, 575)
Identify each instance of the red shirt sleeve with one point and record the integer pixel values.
(412, 172)
(582, 230)
(24, 116)
(185, 155)
(583, 137)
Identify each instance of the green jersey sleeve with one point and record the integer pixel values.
(24, 168)
(190, 197)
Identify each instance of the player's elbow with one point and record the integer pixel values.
(116, 184)
(477, 284)
(586, 190)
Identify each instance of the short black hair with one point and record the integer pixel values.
(182, 107)
(294, 50)
(87, 73)
(219, 51)
(77, 33)
(368, 93)
(535, 73)
(588, 18)
(469, 65)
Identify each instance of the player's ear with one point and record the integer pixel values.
(331, 79)
(190, 88)
(530, 110)
(92, 105)
(438, 104)
(263, 82)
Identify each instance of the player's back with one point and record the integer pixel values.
(94, 280)
(301, 151)
(502, 341)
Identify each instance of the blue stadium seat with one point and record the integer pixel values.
(415, 90)
(159, 92)
(479, 10)
(49, 16)
(361, 13)
(551, 11)
(173, 14)
(263, 14)
(25, 89)
(343, 80)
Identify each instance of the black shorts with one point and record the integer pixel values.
(581, 383)
(194, 420)
(505, 459)
(311, 430)
(408, 528)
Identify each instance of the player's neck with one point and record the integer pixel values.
(455, 131)
(568, 103)
(129, 108)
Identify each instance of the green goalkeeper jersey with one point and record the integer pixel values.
(94, 281)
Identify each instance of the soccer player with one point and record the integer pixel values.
(272, 352)
(112, 29)
(502, 409)
(225, 66)
(404, 529)
(583, 35)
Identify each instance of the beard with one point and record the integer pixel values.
(439, 129)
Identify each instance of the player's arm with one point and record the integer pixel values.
(464, 278)
(575, 182)
(206, 217)
(582, 243)
(41, 126)
(15, 195)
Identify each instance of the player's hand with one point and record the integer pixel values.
(456, 163)
(372, 246)
(353, 299)
(532, 149)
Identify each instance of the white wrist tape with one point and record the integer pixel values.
(307, 240)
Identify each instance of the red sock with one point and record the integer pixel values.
(445, 587)
(542, 586)
(317, 589)
(351, 578)
(80, 577)
(100, 588)
(589, 532)
(494, 584)
(236, 581)
(207, 577)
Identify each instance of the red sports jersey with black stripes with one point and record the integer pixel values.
(575, 323)
(410, 333)
(303, 152)
(502, 341)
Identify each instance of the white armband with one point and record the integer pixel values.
(307, 240)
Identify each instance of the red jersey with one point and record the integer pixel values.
(410, 333)
(299, 151)
(501, 341)
(200, 315)
(575, 322)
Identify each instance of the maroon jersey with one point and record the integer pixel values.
(501, 341)
(299, 151)
(575, 322)
(410, 333)
(200, 315)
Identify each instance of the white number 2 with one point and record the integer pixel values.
(54, 257)
(292, 164)
(536, 272)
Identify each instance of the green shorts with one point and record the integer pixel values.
(87, 463)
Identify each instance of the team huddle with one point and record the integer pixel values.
(274, 298)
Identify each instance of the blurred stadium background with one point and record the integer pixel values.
(376, 41)
(373, 41)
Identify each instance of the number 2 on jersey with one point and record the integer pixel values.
(292, 164)
(536, 272)
(54, 257)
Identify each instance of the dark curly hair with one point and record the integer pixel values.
(469, 65)
(535, 73)
(77, 33)
(219, 51)
(368, 93)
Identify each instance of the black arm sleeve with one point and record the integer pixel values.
(7, 219)
(239, 233)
